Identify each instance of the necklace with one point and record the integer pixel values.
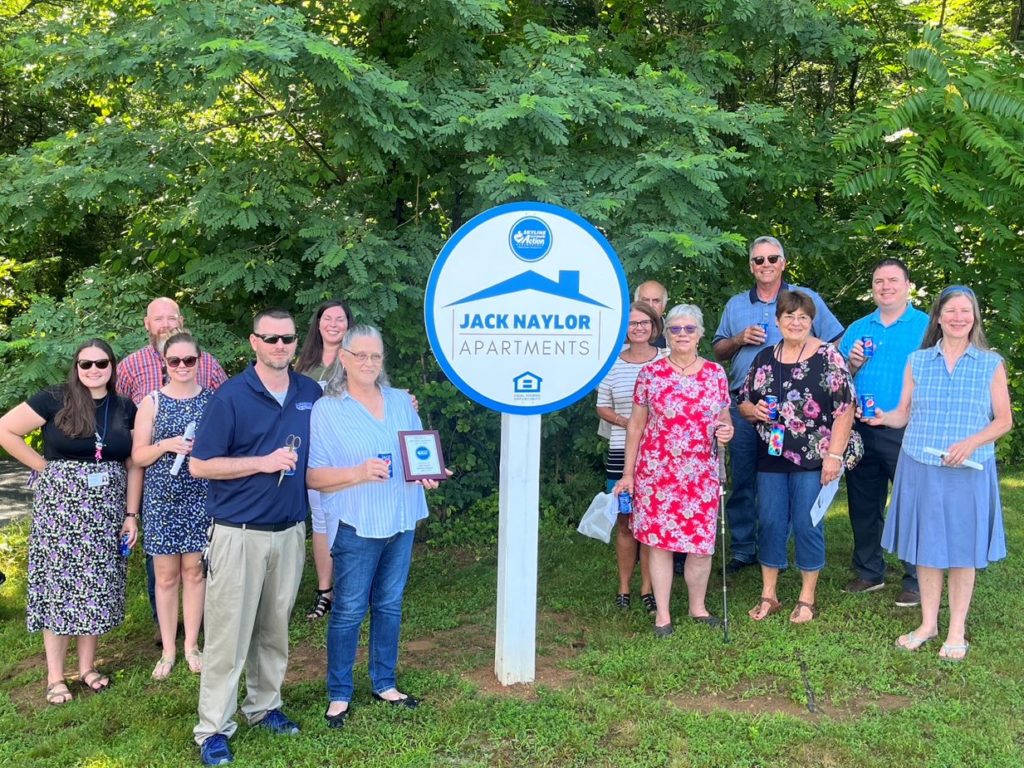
(681, 368)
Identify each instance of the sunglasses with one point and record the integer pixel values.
(85, 365)
(759, 260)
(689, 330)
(273, 338)
(956, 289)
(188, 362)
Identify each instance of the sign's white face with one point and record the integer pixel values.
(526, 308)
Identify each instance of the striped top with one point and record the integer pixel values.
(344, 434)
(616, 392)
(882, 375)
(949, 407)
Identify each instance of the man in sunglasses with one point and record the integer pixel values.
(252, 445)
(142, 372)
(748, 326)
(894, 330)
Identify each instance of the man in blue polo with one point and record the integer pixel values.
(740, 336)
(896, 329)
(252, 445)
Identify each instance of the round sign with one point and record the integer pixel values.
(526, 308)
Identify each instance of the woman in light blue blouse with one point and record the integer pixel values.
(946, 514)
(370, 513)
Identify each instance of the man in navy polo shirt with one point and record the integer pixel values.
(252, 445)
(896, 328)
(740, 336)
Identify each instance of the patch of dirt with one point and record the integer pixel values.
(750, 699)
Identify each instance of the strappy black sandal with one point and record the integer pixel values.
(622, 600)
(650, 604)
(321, 605)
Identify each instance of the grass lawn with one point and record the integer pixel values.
(832, 693)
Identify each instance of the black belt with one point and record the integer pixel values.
(271, 528)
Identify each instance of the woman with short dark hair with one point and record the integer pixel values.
(86, 502)
(805, 436)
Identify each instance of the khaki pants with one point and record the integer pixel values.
(250, 591)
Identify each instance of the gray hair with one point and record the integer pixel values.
(766, 239)
(686, 310)
(338, 384)
(664, 291)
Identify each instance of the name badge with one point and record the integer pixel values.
(99, 479)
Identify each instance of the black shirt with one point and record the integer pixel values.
(117, 413)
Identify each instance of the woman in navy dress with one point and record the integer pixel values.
(174, 519)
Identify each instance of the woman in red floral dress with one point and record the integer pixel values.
(680, 404)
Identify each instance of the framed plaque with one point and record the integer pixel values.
(421, 455)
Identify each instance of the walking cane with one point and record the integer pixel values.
(720, 461)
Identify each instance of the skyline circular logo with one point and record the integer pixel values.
(423, 453)
(530, 239)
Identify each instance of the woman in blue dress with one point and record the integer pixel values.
(174, 519)
(944, 514)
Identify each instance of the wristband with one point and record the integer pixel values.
(131, 514)
(836, 456)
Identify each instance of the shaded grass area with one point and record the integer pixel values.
(832, 693)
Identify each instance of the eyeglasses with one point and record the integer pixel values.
(759, 260)
(788, 318)
(273, 338)
(374, 357)
(639, 323)
(188, 362)
(689, 330)
(85, 365)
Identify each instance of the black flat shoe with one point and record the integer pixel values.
(338, 720)
(711, 621)
(409, 702)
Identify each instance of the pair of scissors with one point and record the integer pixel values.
(292, 444)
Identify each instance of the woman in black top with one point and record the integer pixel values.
(86, 502)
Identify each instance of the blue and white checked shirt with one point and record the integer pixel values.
(948, 407)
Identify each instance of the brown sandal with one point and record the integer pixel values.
(95, 680)
(774, 606)
(56, 696)
(800, 605)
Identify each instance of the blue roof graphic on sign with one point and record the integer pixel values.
(567, 287)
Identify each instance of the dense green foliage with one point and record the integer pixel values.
(237, 154)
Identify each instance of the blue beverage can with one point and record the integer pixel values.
(123, 547)
(625, 503)
(867, 406)
(764, 327)
(386, 457)
(869, 347)
(773, 407)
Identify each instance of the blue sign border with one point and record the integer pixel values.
(442, 258)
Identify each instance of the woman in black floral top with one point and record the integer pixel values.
(801, 449)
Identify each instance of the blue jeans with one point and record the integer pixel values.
(368, 573)
(740, 510)
(784, 501)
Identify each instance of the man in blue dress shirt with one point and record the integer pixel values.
(740, 336)
(246, 447)
(896, 329)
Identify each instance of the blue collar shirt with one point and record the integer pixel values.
(244, 419)
(882, 375)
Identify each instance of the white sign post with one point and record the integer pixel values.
(525, 311)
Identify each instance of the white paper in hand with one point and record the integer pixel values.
(190, 432)
(824, 500)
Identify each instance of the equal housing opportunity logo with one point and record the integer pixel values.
(526, 308)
